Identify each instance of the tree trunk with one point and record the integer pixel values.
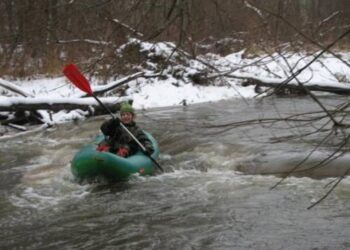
(32, 104)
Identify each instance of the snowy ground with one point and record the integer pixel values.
(151, 92)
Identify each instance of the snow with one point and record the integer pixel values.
(169, 91)
(167, 94)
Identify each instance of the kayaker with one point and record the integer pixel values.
(117, 140)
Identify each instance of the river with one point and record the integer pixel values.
(214, 194)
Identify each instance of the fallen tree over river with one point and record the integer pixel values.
(29, 103)
(23, 108)
(278, 85)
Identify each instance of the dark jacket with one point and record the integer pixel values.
(116, 136)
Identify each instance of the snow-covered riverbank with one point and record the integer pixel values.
(170, 90)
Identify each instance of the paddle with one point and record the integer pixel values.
(72, 72)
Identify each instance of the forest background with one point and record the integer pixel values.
(40, 37)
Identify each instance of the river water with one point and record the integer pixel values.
(214, 194)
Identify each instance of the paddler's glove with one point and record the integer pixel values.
(109, 127)
(115, 122)
(149, 150)
(123, 151)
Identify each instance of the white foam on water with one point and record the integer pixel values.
(47, 181)
(49, 193)
(48, 189)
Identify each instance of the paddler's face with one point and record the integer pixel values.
(126, 117)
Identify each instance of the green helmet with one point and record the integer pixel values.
(126, 107)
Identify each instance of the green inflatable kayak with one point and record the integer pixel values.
(89, 163)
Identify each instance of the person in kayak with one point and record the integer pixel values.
(117, 140)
